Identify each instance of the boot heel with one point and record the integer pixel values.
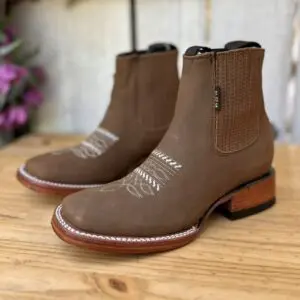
(251, 198)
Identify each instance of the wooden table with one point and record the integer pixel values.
(252, 259)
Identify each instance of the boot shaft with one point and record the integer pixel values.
(221, 98)
(145, 90)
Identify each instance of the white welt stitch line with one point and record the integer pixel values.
(98, 237)
(92, 147)
(55, 184)
(107, 133)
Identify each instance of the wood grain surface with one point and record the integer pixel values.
(251, 259)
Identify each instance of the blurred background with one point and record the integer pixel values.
(78, 41)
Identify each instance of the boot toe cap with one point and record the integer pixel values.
(63, 168)
(74, 213)
(83, 211)
(42, 168)
(115, 213)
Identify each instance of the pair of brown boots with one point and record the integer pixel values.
(167, 154)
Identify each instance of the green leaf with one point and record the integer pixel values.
(3, 24)
(24, 58)
(8, 49)
(2, 101)
(32, 79)
(2, 37)
(17, 90)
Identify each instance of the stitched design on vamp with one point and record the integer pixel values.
(149, 178)
(94, 146)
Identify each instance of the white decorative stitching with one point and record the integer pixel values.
(170, 161)
(94, 146)
(192, 231)
(107, 133)
(147, 178)
(36, 180)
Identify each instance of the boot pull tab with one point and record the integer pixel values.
(160, 47)
(241, 44)
(196, 50)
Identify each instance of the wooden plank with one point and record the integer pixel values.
(78, 48)
(269, 22)
(254, 258)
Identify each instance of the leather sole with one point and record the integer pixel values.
(247, 199)
(48, 187)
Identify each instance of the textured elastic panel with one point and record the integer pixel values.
(238, 84)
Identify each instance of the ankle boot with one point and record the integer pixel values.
(217, 153)
(141, 109)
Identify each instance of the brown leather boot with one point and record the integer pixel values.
(140, 112)
(217, 153)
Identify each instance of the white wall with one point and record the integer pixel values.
(78, 47)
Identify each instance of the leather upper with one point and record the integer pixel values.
(206, 153)
(141, 109)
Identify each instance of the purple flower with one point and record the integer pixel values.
(4, 87)
(8, 74)
(22, 72)
(39, 74)
(16, 116)
(4, 123)
(13, 117)
(33, 97)
(2, 119)
(10, 34)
